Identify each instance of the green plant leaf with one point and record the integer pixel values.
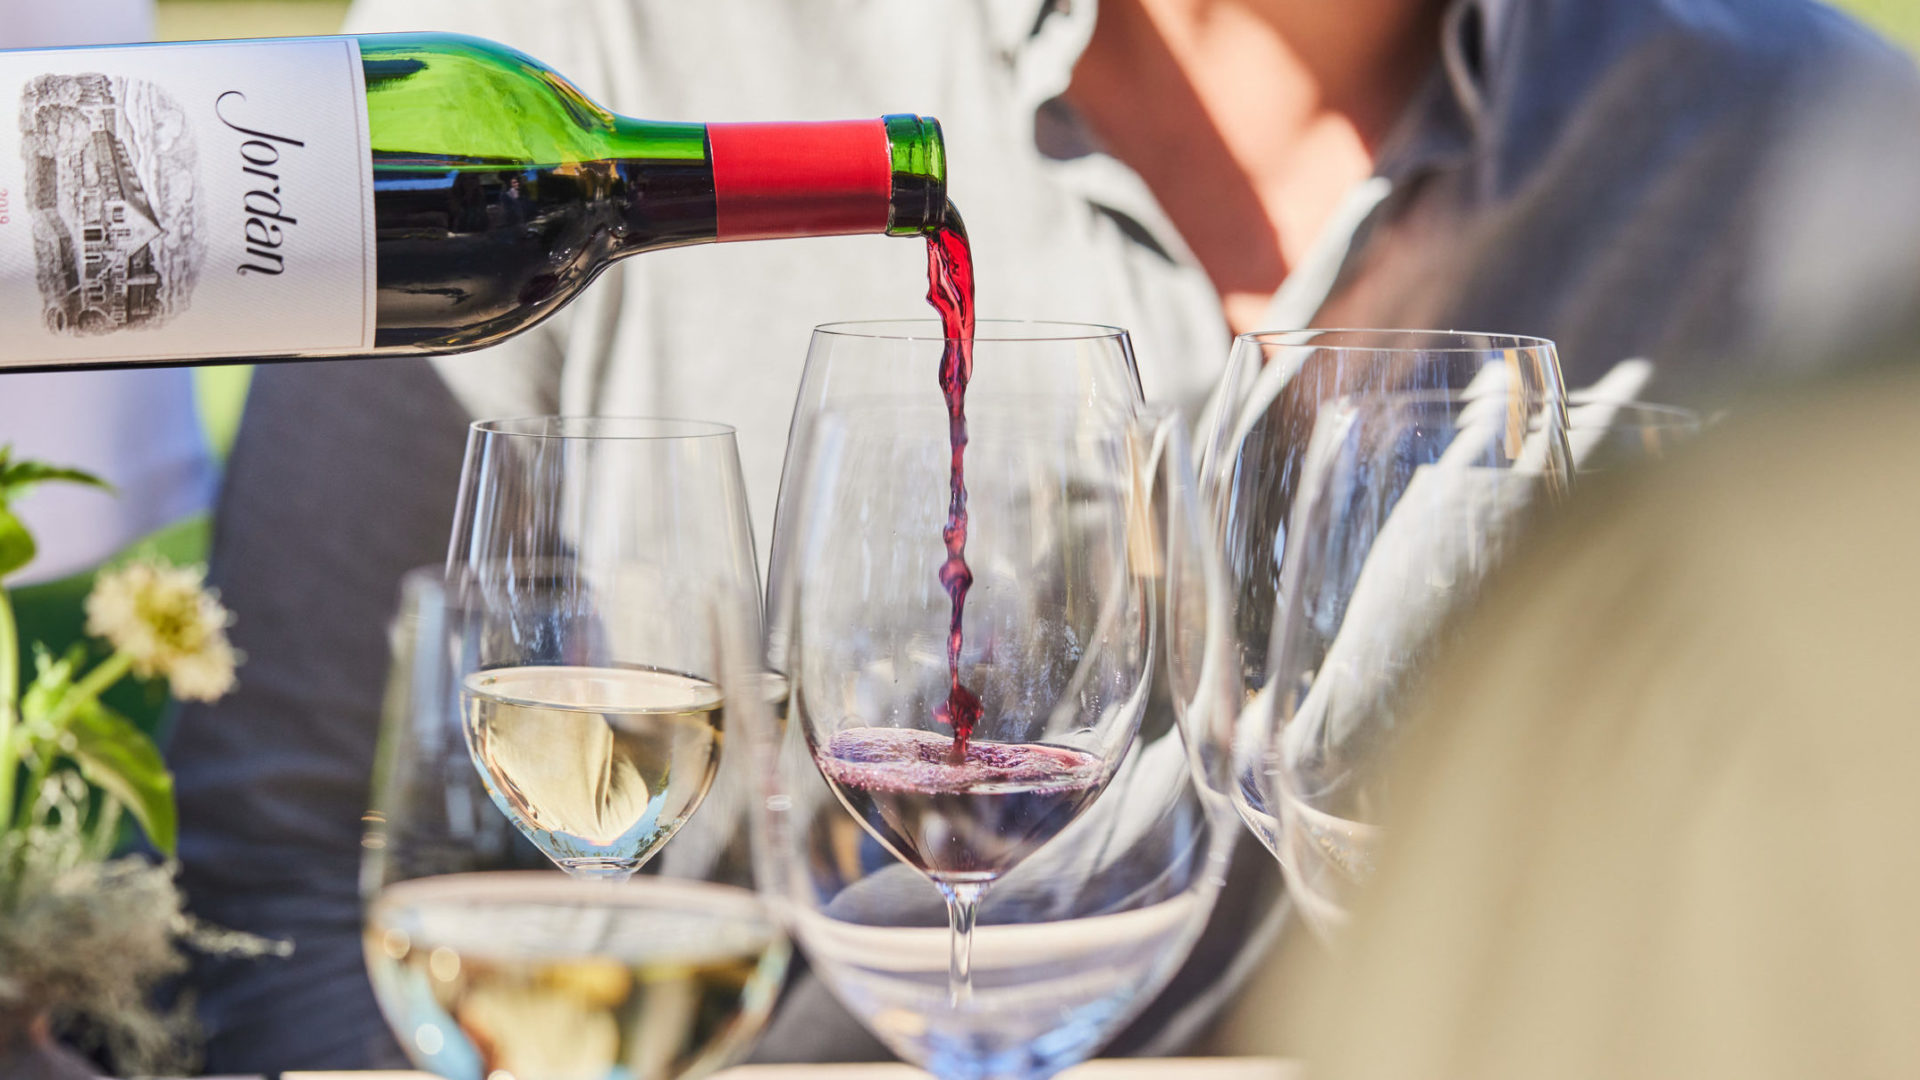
(52, 676)
(118, 758)
(18, 476)
(16, 543)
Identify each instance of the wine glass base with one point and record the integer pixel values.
(599, 869)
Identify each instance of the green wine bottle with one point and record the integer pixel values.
(384, 194)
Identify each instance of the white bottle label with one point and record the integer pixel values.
(177, 202)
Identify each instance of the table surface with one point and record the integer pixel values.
(1114, 1069)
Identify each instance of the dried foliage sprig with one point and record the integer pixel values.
(84, 935)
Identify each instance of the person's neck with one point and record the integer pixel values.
(1251, 119)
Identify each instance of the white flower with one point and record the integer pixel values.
(168, 623)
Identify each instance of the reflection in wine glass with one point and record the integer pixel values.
(1407, 502)
(592, 707)
(486, 968)
(1078, 805)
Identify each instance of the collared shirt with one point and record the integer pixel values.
(1595, 171)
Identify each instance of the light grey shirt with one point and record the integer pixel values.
(1601, 172)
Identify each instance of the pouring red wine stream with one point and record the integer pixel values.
(950, 291)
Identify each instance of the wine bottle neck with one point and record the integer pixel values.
(827, 178)
(692, 183)
(801, 179)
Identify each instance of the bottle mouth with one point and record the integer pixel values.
(918, 204)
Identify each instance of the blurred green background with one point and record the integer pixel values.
(1898, 19)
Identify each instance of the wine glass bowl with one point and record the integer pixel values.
(592, 708)
(535, 976)
(1264, 412)
(1253, 451)
(902, 443)
(1407, 504)
(884, 372)
(1057, 641)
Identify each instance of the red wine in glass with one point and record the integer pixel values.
(964, 821)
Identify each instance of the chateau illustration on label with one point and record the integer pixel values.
(113, 184)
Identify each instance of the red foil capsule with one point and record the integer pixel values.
(806, 179)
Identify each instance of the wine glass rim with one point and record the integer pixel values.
(998, 330)
(603, 427)
(1411, 340)
(1677, 415)
(1458, 396)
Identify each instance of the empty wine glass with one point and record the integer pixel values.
(1407, 502)
(588, 544)
(486, 960)
(1074, 816)
(1260, 420)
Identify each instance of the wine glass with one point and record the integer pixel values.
(593, 709)
(964, 754)
(873, 367)
(1255, 438)
(1073, 847)
(1263, 413)
(1407, 503)
(1606, 436)
(486, 960)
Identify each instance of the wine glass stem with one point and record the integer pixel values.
(963, 902)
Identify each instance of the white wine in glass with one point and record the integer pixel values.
(529, 975)
(597, 766)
